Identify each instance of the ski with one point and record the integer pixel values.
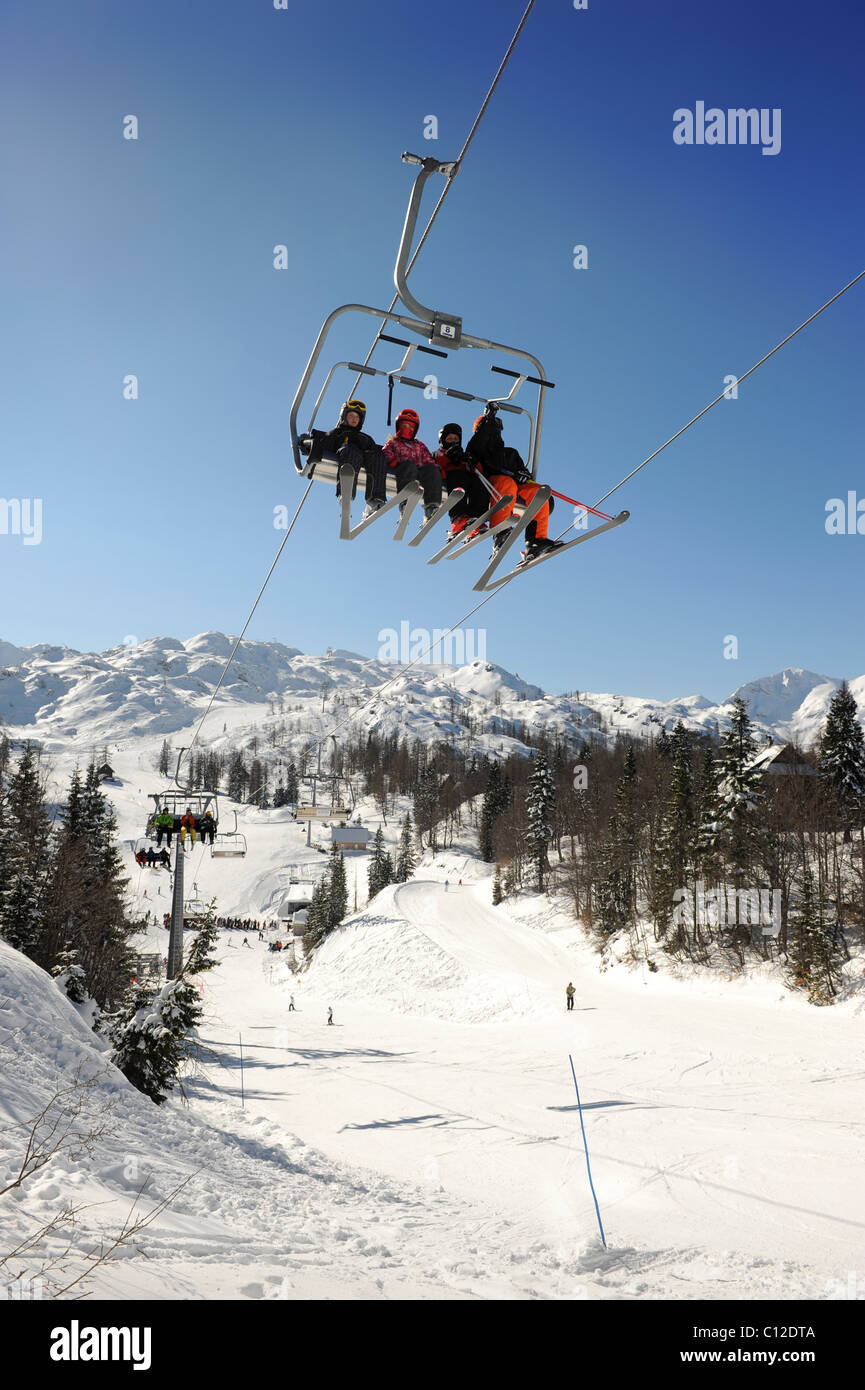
(411, 494)
(450, 548)
(407, 508)
(450, 501)
(527, 565)
(517, 527)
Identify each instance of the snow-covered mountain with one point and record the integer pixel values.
(162, 685)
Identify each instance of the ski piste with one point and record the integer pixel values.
(525, 565)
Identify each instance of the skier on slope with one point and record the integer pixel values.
(411, 461)
(330, 1016)
(350, 445)
(503, 467)
(570, 992)
(458, 470)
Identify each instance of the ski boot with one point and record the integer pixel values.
(499, 539)
(538, 547)
(373, 506)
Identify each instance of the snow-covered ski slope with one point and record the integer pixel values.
(725, 1126)
(427, 1145)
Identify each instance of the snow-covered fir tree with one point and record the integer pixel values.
(405, 860)
(842, 759)
(817, 949)
(379, 872)
(540, 807)
(739, 793)
(201, 956)
(675, 846)
(151, 1035)
(69, 976)
(495, 802)
(25, 856)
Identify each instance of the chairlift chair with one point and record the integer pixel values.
(442, 331)
(229, 844)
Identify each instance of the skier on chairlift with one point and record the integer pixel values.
(458, 470)
(410, 460)
(503, 467)
(350, 445)
(164, 823)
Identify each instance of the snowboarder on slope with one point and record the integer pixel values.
(291, 1008)
(570, 991)
(330, 1016)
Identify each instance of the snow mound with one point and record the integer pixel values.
(380, 955)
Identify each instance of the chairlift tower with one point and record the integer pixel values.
(175, 939)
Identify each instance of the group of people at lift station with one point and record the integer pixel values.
(486, 467)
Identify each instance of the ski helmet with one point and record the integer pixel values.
(409, 417)
(450, 429)
(358, 406)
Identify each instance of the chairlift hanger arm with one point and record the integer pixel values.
(444, 329)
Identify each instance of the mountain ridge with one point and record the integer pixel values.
(162, 685)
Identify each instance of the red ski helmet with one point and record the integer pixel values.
(409, 417)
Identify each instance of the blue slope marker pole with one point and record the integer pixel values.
(586, 1147)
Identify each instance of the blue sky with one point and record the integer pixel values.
(260, 127)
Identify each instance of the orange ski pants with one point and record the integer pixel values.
(511, 490)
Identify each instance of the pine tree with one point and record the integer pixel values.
(317, 916)
(675, 846)
(25, 857)
(202, 952)
(165, 758)
(86, 895)
(69, 976)
(337, 897)
(497, 886)
(148, 1036)
(739, 793)
(426, 806)
(405, 862)
(842, 759)
(817, 948)
(540, 806)
(291, 786)
(379, 871)
(494, 803)
(238, 777)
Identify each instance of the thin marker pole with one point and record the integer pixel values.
(242, 1097)
(586, 1147)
